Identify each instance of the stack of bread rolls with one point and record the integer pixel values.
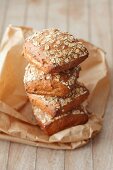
(51, 79)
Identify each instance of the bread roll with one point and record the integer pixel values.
(50, 125)
(54, 51)
(60, 84)
(58, 105)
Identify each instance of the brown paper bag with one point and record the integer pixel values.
(17, 122)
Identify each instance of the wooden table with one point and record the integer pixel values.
(88, 19)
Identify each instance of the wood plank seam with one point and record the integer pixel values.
(68, 4)
(4, 17)
(92, 162)
(36, 158)
(111, 30)
(89, 20)
(8, 156)
(47, 13)
(25, 13)
(111, 25)
(89, 38)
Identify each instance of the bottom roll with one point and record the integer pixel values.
(51, 125)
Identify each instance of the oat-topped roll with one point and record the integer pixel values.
(57, 84)
(58, 105)
(54, 51)
(51, 125)
(51, 79)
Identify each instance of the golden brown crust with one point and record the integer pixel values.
(73, 118)
(64, 123)
(54, 51)
(61, 84)
(56, 105)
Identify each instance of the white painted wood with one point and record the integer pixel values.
(3, 7)
(79, 159)
(57, 14)
(36, 14)
(48, 159)
(78, 18)
(100, 24)
(101, 36)
(4, 149)
(15, 13)
(21, 157)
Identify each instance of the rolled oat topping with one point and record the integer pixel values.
(46, 119)
(58, 101)
(34, 74)
(61, 47)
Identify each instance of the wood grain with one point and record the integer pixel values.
(15, 12)
(49, 159)
(79, 159)
(57, 14)
(36, 14)
(21, 157)
(4, 150)
(101, 36)
(3, 8)
(78, 23)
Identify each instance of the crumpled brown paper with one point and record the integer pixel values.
(17, 122)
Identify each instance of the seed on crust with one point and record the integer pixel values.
(57, 44)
